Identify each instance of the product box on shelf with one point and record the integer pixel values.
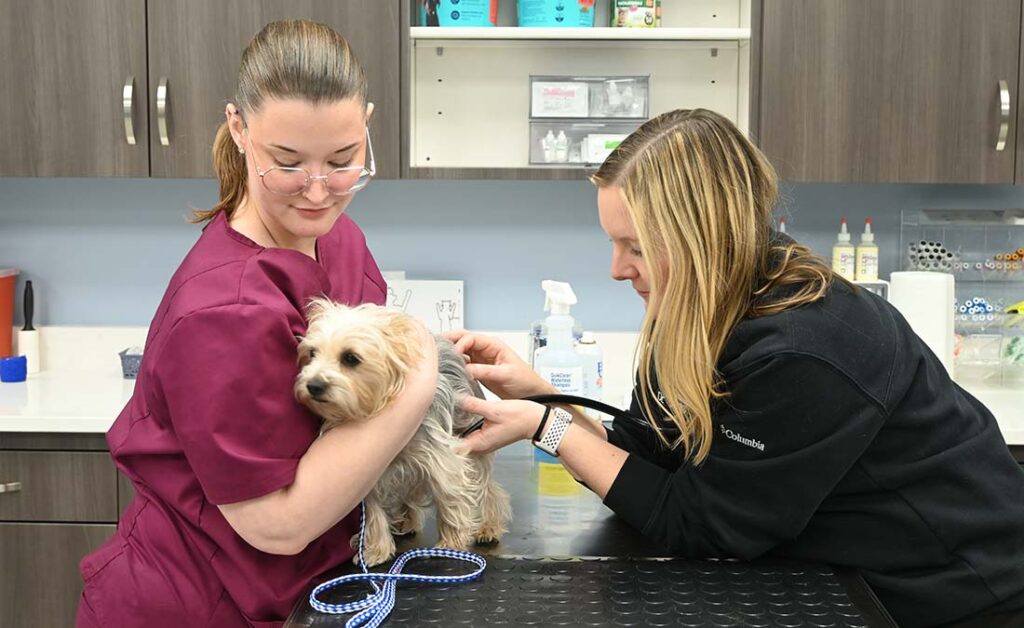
(636, 13)
(555, 12)
(458, 12)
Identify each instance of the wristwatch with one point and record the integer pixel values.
(557, 427)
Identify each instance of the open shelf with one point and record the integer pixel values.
(468, 106)
(575, 34)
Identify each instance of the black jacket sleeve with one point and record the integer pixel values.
(790, 429)
(637, 437)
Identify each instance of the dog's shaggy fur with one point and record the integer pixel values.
(353, 363)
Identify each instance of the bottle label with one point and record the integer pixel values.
(567, 379)
(844, 262)
(867, 267)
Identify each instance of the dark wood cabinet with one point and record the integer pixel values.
(41, 585)
(888, 90)
(61, 504)
(72, 73)
(138, 88)
(195, 48)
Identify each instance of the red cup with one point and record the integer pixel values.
(8, 276)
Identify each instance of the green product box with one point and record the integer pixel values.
(636, 13)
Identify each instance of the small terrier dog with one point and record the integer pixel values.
(353, 363)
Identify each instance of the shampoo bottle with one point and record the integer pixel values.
(867, 255)
(558, 362)
(844, 259)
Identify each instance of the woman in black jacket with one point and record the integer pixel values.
(787, 412)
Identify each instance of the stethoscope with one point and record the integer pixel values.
(573, 400)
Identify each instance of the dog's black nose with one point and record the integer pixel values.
(316, 387)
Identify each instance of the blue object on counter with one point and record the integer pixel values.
(13, 369)
(458, 12)
(556, 12)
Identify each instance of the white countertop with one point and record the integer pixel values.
(64, 401)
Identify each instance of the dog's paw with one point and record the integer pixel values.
(408, 524)
(373, 556)
(453, 543)
(488, 535)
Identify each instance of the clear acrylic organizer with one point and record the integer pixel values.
(984, 251)
(579, 120)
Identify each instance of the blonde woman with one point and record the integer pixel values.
(784, 411)
(239, 503)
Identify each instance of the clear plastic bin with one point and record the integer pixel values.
(984, 251)
(586, 143)
(589, 97)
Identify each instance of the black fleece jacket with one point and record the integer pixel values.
(842, 440)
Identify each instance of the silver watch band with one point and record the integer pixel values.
(557, 427)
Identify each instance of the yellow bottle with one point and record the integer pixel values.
(867, 255)
(844, 258)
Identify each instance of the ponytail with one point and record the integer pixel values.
(229, 165)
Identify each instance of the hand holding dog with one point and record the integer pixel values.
(505, 422)
(495, 365)
(421, 382)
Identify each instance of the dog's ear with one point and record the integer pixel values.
(317, 307)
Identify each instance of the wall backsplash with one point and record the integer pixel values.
(100, 251)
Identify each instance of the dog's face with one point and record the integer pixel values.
(353, 360)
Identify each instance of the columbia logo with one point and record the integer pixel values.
(743, 440)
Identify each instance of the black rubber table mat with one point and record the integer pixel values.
(612, 592)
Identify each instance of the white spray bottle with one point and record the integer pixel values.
(558, 362)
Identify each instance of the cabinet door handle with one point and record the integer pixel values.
(10, 487)
(1004, 115)
(161, 111)
(128, 103)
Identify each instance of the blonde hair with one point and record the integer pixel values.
(288, 59)
(700, 196)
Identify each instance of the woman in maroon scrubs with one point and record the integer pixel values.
(239, 504)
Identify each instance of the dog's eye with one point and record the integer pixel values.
(312, 353)
(350, 359)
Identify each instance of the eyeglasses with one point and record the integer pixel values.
(292, 181)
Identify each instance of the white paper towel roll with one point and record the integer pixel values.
(926, 301)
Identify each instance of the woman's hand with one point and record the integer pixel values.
(505, 422)
(495, 365)
(421, 380)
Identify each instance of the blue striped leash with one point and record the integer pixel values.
(375, 607)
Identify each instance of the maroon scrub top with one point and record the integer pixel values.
(213, 421)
